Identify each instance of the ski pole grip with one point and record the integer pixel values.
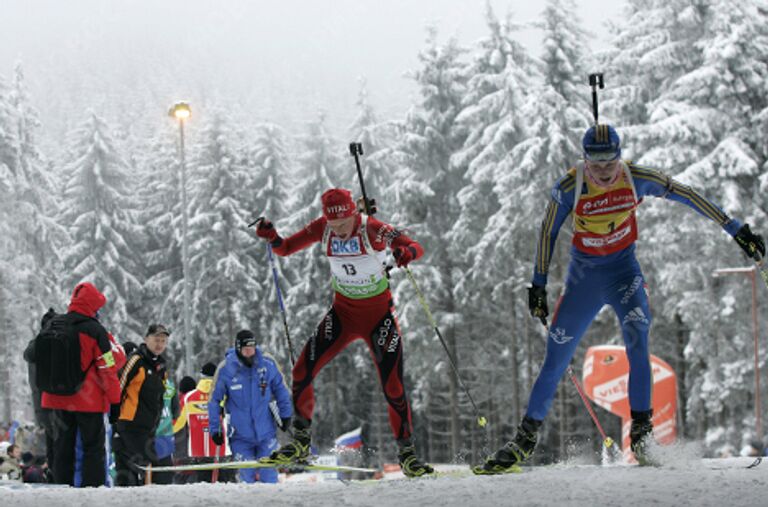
(355, 149)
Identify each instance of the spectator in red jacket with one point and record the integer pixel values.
(100, 358)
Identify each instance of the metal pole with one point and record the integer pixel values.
(758, 419)
(752, 273)
(188, 343)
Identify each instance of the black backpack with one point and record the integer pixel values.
(57, 357)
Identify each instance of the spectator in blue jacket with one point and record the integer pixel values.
(247, 381)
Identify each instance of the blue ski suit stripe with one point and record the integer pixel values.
(594, 281)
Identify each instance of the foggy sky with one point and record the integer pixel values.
(268, 60)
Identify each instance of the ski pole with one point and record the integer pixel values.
(276, 283)
(356, 149)
(481, 421)
(281, 303)
(761, 266)
(607, 441)
(595, 81)
(215, 471)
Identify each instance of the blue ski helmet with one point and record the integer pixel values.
(601, 143)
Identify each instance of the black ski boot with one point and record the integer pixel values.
(507, 459)
(641, 435)
(295, 451)
(409, 463)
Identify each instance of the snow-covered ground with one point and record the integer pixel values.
(723, 482)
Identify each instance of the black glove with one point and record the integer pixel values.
(114, 413)
(404, 255)
(218, 438)
(537, 302)
(752, 244)
(285, 423)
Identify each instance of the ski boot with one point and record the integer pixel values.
(297, 450)
(641, 435)
(507, 459)
(409, 463)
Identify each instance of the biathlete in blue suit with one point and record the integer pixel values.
(247, 381)
(603, 270)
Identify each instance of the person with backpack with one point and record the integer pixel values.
(76, 362)
(601, 195)
(143, 384)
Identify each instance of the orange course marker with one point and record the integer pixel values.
(606, 382)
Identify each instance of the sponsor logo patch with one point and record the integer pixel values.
(348, 247)
(636, 283)
(636, 314)
(558, 336)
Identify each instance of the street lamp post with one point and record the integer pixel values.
(181, 112)
(752, 274)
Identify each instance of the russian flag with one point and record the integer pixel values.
(350, 440)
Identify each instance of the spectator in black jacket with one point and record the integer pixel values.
(142, 385)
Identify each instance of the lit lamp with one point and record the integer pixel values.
(181, 112)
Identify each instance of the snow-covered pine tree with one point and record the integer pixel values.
(36, 205)
(11, 333)
(161, 211)
(271, 167)
(378, 139)
(31, 263)
(502, 77)
(224, 272)
(424, 189)
(707, 60)
(101, 218)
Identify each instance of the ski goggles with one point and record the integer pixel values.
(602, 156)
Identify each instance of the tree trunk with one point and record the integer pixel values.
(682, 393)
(335, 405)
(513, 370)
(6, 352)
(528, 353)
(563, 423)
(453, 379)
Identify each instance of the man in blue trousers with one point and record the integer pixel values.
(603, 271)
(247, 381)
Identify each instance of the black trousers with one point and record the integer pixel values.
(44, 417)
(132, 449)
(162, 477)
(64, 427)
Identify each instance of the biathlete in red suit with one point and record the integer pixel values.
(362, 309)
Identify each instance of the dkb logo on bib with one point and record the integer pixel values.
(348, 247)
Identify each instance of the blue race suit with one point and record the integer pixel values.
(248, 391)
(604, 270)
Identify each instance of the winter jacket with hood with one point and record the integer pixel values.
(101, 356)
(248, 391)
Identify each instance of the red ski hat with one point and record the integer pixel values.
(338, 203)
